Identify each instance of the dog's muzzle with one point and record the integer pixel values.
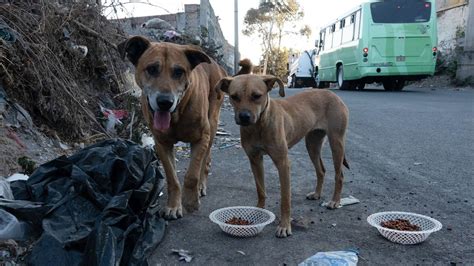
(244, 118)
(165, 102)
(161, 106)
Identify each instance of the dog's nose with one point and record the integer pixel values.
(244, 118)
(165, 102)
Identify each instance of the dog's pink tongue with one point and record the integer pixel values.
(161, 120)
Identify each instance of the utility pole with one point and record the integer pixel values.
(236, 36)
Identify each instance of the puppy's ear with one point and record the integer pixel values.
(133, 48)
(224, 84)
(196, 57)
(270, 81)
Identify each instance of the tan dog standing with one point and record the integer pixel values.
(269, 126)
(179, 103)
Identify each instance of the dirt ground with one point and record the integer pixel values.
(401, 160)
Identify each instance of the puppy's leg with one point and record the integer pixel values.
(256, 163)
(336, 142)
(205, 169)
(314, 143)
(173, 209)
(191, 179)
(280, 159)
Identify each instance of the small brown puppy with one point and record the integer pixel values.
(179, 103)
(269, 126)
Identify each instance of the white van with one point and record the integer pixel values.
(301, 69)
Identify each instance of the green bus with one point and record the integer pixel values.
(388, 42)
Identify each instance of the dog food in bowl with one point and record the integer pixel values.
(400, 224)
(242, 221)
(402, 220)
(238, 221)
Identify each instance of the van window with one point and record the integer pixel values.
(401, 11)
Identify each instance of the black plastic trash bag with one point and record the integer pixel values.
(99, 206)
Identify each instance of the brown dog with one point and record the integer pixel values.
(271, 127)
(179, 103)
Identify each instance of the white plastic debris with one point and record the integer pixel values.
(17, 176)
(344, 202)
(183, 254)
(332, 258)
(5, 190)
(147, 141)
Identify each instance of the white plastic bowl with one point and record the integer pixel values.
(259, 218)
(427, 225)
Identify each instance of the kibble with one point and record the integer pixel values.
(238, 221)
(400, 224)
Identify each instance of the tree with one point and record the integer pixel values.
(278, 62)
(269, 22)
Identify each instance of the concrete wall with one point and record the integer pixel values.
(452, 21)
(465, 72)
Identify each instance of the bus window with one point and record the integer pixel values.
(357, 25)
(399, 11)
(348, 30)
(329, 38)
(337, 36)
(322, 37)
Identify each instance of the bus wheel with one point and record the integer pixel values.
(394, 84)
(399, 84)
(341, 83)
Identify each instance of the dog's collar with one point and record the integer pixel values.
(266, 105)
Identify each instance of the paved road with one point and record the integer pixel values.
(408, 151)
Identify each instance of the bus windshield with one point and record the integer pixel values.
(401, 11)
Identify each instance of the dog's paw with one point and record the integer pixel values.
(191, 200)
(332, 205)
(313, 196)
(172, 213)
(202, 190)
(283, 231)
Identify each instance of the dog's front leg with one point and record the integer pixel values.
(191, 179)
(280, 158)
(256, 163)
(173, 209)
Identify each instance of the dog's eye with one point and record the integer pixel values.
(178, 73)
(235, 98)
(152, 70)
(255, 97)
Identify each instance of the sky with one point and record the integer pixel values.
(318, 13)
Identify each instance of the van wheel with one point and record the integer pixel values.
(320, 84)
(341, 83)
(361, 86)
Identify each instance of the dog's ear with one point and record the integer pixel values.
(270, 81)
(133, 48)
(196, 57)
(224, 84)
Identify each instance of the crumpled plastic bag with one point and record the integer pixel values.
(5, 190)
(98, 207)
(332, 258)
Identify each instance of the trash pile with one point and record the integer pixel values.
(159, 30)
(59, 61)
(98, 206)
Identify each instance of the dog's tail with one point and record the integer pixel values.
(345, 163)
(246, 67)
